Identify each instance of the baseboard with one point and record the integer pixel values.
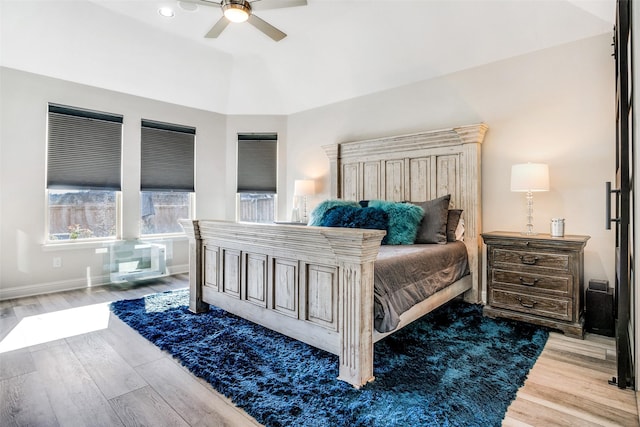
(49, 287)
(178, 269)
(69, 285)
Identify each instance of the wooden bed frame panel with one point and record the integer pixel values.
(315, 284)
(418, 167)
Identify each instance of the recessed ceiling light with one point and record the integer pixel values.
(167, 12)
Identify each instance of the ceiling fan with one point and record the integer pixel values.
(242, 10)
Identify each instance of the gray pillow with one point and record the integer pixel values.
(433, 228)
(453, 218)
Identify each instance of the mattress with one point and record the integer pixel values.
(408, 274)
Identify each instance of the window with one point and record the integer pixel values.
(166, 176)
(257, 207)
(161, 210)
(83, 173)
(257, 176)
(82, 214)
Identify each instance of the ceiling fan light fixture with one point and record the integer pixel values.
(236, 10)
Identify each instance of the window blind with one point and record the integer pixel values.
(84, 149)
(257, 162)
(167, 157)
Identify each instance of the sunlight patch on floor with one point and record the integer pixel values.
(56, 325)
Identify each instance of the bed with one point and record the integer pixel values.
(316, 284)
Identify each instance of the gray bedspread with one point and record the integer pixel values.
(408, 274)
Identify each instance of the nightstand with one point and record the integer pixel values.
(537, 279)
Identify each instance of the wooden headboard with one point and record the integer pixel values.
(418, 167)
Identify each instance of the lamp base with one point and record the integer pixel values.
(295, 215)
(529, 231)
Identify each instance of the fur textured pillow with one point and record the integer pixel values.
(319, 211)
(433, 228)
(404, 219)
(352, 217)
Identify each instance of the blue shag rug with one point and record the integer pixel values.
(453, 367)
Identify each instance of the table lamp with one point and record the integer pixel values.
(529, 178)
(303, 188)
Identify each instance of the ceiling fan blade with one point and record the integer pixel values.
(203, 2)
(276, 4)
(266, 28)
(217, 28)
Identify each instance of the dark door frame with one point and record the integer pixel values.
(624, 194)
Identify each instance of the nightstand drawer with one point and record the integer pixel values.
(557, 308)
(561, 285)
(553, 261)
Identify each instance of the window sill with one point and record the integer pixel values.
(77, 245)
(98, 244)
(160, 237)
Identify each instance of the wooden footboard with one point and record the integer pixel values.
(314, 284)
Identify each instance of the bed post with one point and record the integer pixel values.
(355, 303)
(331, 150)
(192, 230)
(472, 138)
(356, 320)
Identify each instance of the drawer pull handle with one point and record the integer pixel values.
(524, 281)
(529, 259)
(526, 304)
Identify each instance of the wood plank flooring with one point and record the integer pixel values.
(568, 386)
(102, 373)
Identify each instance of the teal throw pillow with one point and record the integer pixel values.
(352, 217)
(404, 219)
(318, 213)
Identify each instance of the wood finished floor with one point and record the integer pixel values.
(105, 374)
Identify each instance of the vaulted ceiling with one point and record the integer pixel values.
(335, 49)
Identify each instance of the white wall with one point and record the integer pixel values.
(554, 106)
(26, 264)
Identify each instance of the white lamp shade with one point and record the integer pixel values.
(304, 187)
(530, 177)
